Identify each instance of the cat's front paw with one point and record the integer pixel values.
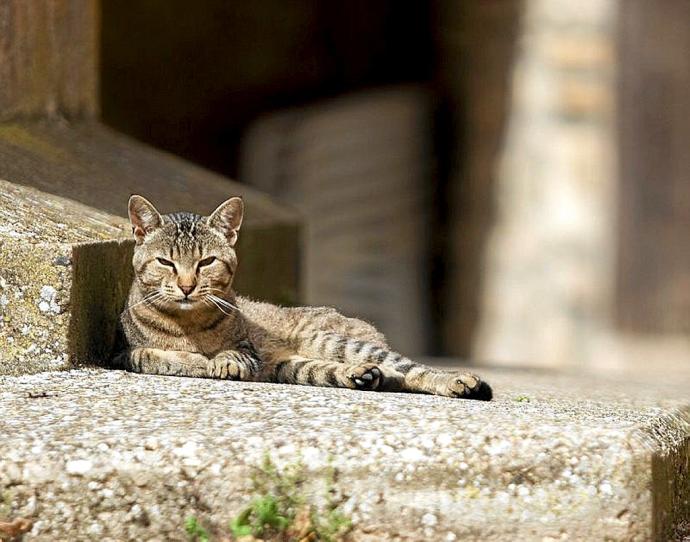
(227, 366)
(468, 386)
(367, 376)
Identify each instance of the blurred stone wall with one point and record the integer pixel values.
(548, 268)
(476, 48)
(357, 168)
(654, 129)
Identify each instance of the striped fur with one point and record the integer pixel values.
(183, 318)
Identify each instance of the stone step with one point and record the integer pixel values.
(64, 277)
(108, 455)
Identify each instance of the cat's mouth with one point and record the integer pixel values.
(186, 302)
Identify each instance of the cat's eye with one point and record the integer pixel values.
(165, 262)
(206, 261)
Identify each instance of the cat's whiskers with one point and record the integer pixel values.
(210, 297)
(212, 289)
(148, 298)
(205, 291)
(219, 298)
(206, 302)
(224, 302)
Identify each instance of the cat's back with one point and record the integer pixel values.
(286, 322)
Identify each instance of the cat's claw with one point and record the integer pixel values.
(366, 376)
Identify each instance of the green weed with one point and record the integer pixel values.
(195, 531)
(280, 511)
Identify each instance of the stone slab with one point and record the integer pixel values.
(96, 166)
(96, 454)
(64, 273)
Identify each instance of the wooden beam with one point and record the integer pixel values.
(48, 58)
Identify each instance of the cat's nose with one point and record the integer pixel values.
(186, 290)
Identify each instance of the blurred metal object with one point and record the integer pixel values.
(357, 168)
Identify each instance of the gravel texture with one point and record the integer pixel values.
(95, 454)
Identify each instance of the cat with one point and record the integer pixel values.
(183, 318)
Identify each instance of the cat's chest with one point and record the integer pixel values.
(204, 342)
(169, 334)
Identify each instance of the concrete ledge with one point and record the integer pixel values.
(107, 455)
(65, 273)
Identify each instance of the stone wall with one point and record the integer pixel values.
(476, 46)
(357, 168)
(64, 275)
(653, 291)
(548, 287)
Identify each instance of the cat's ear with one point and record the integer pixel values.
(227, 218)
(143, 216)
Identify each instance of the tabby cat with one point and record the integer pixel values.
(183, 318)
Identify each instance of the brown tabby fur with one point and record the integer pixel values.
(183, 318)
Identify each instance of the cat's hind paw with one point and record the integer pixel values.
(367, 376)
(468, 386)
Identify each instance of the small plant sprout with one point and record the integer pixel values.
(280, 510)
(195, 531)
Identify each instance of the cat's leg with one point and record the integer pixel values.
(400, 373)
(315, 372)
(240, 364)
(163, 362)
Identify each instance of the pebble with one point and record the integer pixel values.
(78, 466)
(412, 454)
(48, 303)
(429, 520)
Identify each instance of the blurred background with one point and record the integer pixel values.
(504, 180)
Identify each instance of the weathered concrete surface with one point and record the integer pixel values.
(92, 454)
(98, 167)
(64, 274)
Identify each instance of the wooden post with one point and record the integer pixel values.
(48, 58)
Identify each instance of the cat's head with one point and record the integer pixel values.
(182, 260)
